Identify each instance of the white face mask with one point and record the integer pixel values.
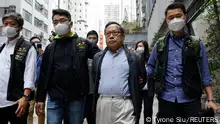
(10, 31)
(176, 24)
(140, 49)
(62, 29)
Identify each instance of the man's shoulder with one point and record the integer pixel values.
(98, 54)
(81, 39)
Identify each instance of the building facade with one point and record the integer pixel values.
(36, 16)
(79, 13)
(112, 13)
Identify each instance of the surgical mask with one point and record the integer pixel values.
(10, 31)
(62, 29)
(176, 24)
(93, 41)
(140, 50)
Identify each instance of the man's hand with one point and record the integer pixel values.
(41, 52)
(22, 106)
(39, 108)
(140, 80)
(213, 106)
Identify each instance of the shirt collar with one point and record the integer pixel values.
(70, 34)
(14, 41)
(117, 52)
(176, 38)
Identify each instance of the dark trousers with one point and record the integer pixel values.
(171, 113)
(88, 113)
(148, 105)
(7, 114)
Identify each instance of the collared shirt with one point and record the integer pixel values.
(39, 60)
(114, 74)
(173, 77)
(5, 65)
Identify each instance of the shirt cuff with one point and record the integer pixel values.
(29, 85)
(207, 82)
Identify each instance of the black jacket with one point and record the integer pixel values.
(136, 69)
(82, 49)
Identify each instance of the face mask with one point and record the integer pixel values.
(10, 31)
(93, 41)
(62, 29)
(140, 50)
(176, 24)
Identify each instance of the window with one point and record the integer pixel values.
(29, 1)
(74, 22)
(27, 16)
(80, 17)
(75, 10)
(45, 13)
(80, 29)
(26, 33)
(74, 28)
(45, 27)
(39, 7)
(38, 23)
(79, 10)
(80, 4)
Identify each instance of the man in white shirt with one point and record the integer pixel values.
(18, 72)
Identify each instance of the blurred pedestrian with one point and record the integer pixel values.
(92, 36)
(36, 41)
(142, 48)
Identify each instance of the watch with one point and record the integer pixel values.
(27, 97)
(211, 100)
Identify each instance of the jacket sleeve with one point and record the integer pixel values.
(41, 93)
(94, 67)
(141, 72)
(92, 49)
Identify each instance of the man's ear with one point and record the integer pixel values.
(71, 24)
(20, 29)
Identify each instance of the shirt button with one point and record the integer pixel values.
(175, 78)
(176, 50)
(174, 69)
(175, 59)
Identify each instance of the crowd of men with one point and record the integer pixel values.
(77, 80)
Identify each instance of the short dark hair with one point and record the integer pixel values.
(35, 37)
(15, 16)
(93, 32)
(61, 12)
(175, 6)
(111, 23)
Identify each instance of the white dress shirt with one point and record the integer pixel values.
(5, 65)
